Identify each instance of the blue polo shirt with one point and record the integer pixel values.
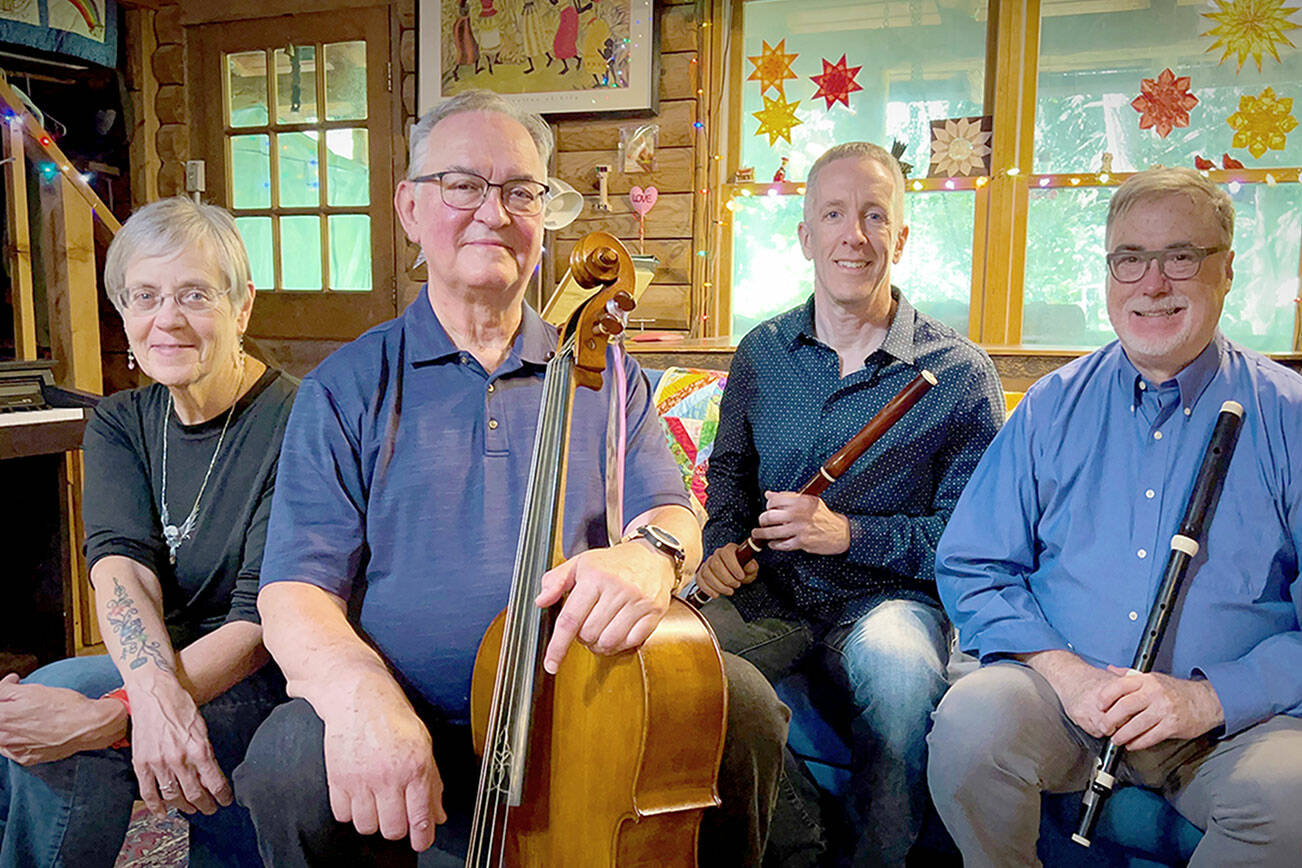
(402, 481)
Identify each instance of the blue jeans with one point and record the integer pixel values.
(891, 664)
(889, 667)
(75, 812)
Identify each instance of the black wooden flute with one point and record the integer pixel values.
(1184, 547)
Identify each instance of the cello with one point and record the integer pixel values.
(611, 761)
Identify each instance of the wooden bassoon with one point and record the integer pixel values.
(611, 761)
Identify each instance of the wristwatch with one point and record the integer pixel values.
(663, 541)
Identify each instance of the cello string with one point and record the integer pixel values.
(533, 556)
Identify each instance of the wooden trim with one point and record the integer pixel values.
(206, 12)
(71, 285)
(84, 626)
(1297, 308)
(1017, 45)
(20, 244)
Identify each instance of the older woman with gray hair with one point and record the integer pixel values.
(179, 477)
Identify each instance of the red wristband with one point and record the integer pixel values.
(121, 696)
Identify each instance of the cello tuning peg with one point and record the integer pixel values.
(609, 325)
(624, 301)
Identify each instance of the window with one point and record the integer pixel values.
(298, 147)
(917, 63)
(1018, 255)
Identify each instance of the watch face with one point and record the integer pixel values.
(663, 539)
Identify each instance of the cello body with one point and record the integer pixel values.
(611, 762)
(624, 751)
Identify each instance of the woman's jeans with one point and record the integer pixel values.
(75, 812)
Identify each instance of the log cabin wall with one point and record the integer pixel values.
(158, 83)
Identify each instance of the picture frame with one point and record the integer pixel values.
(554, 57)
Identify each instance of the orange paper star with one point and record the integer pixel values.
(777, 118)
(837, 82)
(1249, 27)
(1262, 122)
(1164, 102)
(772, 67)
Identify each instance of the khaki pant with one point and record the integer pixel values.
(1000, 738)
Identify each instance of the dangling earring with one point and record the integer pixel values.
(131, 359)
(241, 349)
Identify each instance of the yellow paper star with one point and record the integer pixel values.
(772, 67)
(777, 118)
(1262, 122)
(1249, 27)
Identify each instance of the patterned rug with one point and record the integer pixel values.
(155, 842)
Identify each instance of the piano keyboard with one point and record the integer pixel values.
(37, 417)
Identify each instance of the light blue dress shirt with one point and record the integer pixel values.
(1061, 537)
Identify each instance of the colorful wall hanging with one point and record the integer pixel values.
(836, 83)
(1164, 102)
(1250, 27)
(561, 57)
(777, 118)
(1262, 122)
(960, 146)
(87, 29)
(772, 67)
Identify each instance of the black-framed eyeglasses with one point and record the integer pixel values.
(466, 191)
(1175, 263)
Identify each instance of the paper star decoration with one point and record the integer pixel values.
(1164, 102)
(1249, 27)
(836, 83)
(1262, 122)
(777, 118)
(772, 67)
(959, 146)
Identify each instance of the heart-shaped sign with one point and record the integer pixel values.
(643, 200)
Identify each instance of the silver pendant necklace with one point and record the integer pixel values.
(172, 534)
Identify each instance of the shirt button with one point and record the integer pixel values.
(492, 387)
(1149, 494)
(492, 423)
(1134, 616)
(1143, 553)
(1187, 410)
(1142, 385)
(465, 359)
(1157, 435)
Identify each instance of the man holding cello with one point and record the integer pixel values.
(393, 538)
(1054, 557)
(842, 583)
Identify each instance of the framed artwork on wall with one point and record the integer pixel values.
(555, 57)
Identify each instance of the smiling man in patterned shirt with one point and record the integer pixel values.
(846, 587)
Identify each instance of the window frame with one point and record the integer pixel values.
(315, 314)
(1002, 201)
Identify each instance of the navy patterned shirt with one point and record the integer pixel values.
(787, 409)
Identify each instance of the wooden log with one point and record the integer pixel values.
(167, 25)
(680, 28)
(168, 64)
(676, 118)
(20, 245)
(68, 234)
(667, 306)
(670, 218)
(678, 75)
(169, 104)
(673, 172)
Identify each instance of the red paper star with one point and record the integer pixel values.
(772, 67)
(1164, 102)
(837, 82)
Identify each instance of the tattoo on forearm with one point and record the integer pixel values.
(124, 618)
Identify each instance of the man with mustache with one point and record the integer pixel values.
(1056, 549)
